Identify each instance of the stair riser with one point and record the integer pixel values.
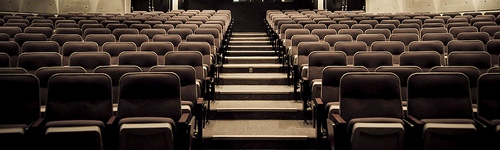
(251, 38)
(248, 35)
(257, 115)
(251, 61)
(250, 53)
(250, 48)
(250, 96)
(254, 70)
(261, 144)
(253, 81)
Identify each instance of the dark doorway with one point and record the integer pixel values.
(140, 5)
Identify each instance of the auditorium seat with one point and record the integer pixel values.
(120, 31)
(65, 125)
(20, 38)
(457, 30)
(183, 32)
(370, 38)
(423, 59)
(481, 36)
(68, 31)
(47, 31)
(144, 59)
(356, 125)
(32, 61)
(45, 73)
(488, 111)
(115, 48)
(152, 99)
(195, 60)
(40, 46)
(350, 48)
(450, 128)
(12, 49)
(70, 47)
(90, 31)
(63, 38)
(89, 60)
(372, 59)
(19, 111)
(465, 45)
(479, 59)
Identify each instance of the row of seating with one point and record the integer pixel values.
(360, 84)
(79, 111)
(174, 75)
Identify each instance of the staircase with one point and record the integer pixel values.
(254, 107)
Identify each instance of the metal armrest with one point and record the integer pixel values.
(184, 118)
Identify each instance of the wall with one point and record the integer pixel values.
(65, 6)
(433, 6)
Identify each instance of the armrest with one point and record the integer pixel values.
(338, 119)
(485, 121)
(199, 101)
(414, 120)
(111, 121)
(37, 123)
(318, 101)
(184, 118)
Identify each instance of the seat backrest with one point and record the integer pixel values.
(403, 72)
(173, 38)
(183, 32)
(138, 39)
(31, 61)
(394, 47)
(20, 38)
(191, 58)
(160, 48)
(385, 26)
(423, 59)
(479, 59)
(482, 36)
(428, 91)
(436, 46)
(152, 32)
(47, 31)
(384, 92)
(68, 31)
(321, 33)
(460, 29)
(89, 60)
(370, 38)
(353, 32)
(100, 39)
(120, 31)
(333, 39)
(115, 72)
(443, 37)
(149, 94)
(331, 81)
(187, 74)
(465, 45)
(350, 48)
(88, 91)
(385, 32)
(487, 97)
(63, 38)
(40, 46)
(372, 59)
(406, 38)
(318, 60)
(143, 59)
(470, 71)
(405, 30)
(20, 93)
(338, 27)
(491, 30)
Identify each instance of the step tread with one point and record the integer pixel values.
(253, 75)
(259, 129)
(256, 106)
(252, 65)
(251, 57)
(250, 46)
(254, 89)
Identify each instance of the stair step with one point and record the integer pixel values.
(248, 39)
(251, 68)
(249, 34)
(249, 42)
(251, 59)
(254, 92)
(254, 89)
(253, 78)
(259, 134)
(251, 47)
(251, 53)
(256, 106)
